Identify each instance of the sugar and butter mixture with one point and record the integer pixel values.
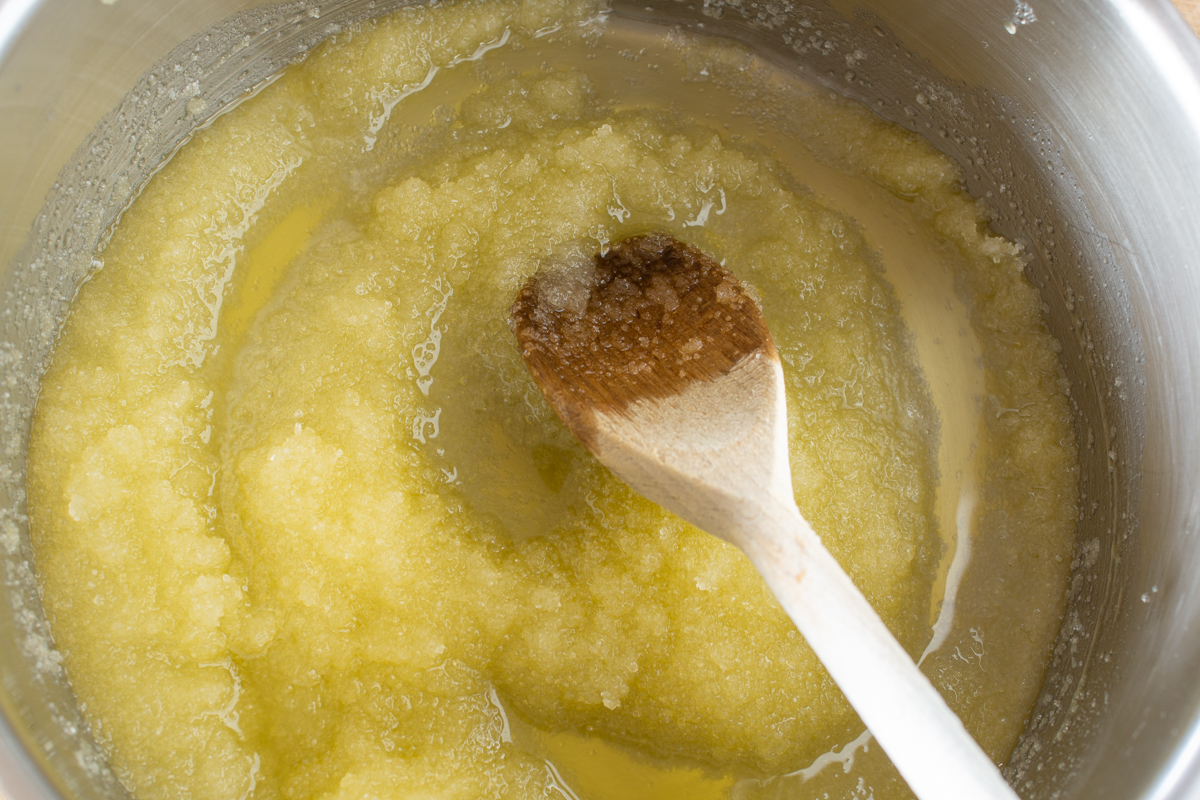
(306, 528)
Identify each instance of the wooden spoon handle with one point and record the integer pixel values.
(923, 737)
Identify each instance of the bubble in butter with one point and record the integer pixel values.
(306, 528)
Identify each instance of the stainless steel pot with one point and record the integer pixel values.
(1079, 123)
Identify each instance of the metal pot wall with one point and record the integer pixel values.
(1080, 123)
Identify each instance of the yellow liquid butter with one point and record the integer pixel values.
(306, 528)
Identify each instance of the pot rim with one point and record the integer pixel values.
(1156, 27)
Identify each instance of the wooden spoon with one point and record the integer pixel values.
(658, 360)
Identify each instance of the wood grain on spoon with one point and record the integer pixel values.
(658, 359)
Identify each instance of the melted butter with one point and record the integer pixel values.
(591, 767)
(263, 268)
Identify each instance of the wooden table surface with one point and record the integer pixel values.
(1191, 12)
